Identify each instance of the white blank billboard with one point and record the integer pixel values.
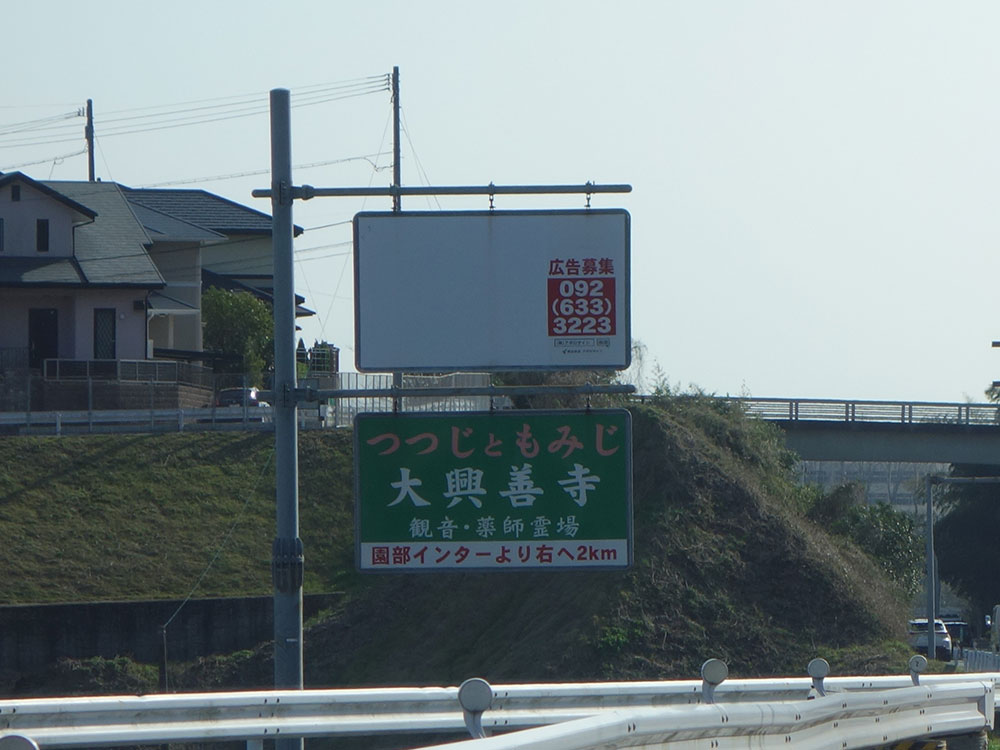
(491, 290)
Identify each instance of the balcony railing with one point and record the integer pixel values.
(14, 358)
(128, 370)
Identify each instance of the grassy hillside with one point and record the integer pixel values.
(148, 516)
(726, 563)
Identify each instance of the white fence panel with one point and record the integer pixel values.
(980, 661)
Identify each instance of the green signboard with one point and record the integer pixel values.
(508, 490)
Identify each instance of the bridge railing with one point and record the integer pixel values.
(889, 412)
(771, 409)
(866, 711)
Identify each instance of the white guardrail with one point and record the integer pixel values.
(846, 712)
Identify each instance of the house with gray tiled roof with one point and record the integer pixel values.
(74, 272)
(200, 239)
(96, 271)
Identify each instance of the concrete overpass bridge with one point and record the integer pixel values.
(891, 431)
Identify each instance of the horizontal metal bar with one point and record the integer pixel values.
(860, 402)
(305, 192)
(907, 711)
(311, 394)
(833, 410)
(856, 720)
(964, 480)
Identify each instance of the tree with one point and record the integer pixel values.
(564, 378)
(237, 323)
(882, 532)
(965, 537)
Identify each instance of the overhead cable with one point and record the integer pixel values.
(171, 116)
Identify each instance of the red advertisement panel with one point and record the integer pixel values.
(581, 306)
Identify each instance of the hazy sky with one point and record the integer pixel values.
(813, 207)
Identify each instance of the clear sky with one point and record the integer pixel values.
(813, 207)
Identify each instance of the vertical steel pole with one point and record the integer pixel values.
(397, 200)
(286, 557)
(931, 603)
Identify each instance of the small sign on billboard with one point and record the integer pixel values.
(517, 490)
(492, 290)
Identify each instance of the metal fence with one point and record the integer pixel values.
(898, 412)
(14, 358)
(159, 405)
(128, 370)
(20, 389)
(977, 660)
(343, 410)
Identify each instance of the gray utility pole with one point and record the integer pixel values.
(286, 554)
(931, 578)
(88, 133)
(397, 199)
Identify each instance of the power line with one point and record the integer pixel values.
(314, 248)
(39, 124)
(311, 165)
(44, 161)
(178, 122)
(384, 78)
(160, 110)
(327, 226)
(255, 102)
(323, 257)
(182, 116)
(416, 159)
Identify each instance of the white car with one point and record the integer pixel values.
(917, 638)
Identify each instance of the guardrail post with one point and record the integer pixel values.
(917, 664)
(17, 742)
(475, 696)
(818, 669)
(58, 423)
(713, 673)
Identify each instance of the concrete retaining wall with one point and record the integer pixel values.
(35, 636)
